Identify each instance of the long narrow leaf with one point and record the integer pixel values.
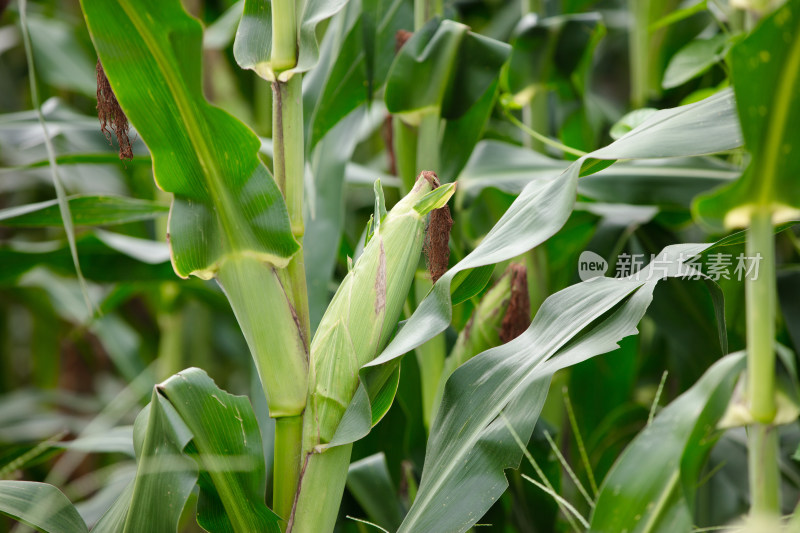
(652, 485)
(41, 506)
(229, 452)
(226, 204)
(193, 433)
(165, 476)
(85, 211)
(463, 476)
(364, 39)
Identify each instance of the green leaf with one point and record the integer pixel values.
(629, 122)
(457, 66)
(679, 15)
(221, 32)
(469, 283)
(85, 210)
(463, 476)
(228, 451)
(109, 257)
(60, 60)
(116, 440)
(694, 59)
(226, 204)
(707, 127)
(541, 209)
(41, 506)
(506, 167)
(766, 75)
(653, 484)
(113, 520)
(253, 46)
(669, 183)
(193, 433)
(77, 159)
(362, 45)
(462, 134)
(370, 483)
(165, 476)
(545, 50)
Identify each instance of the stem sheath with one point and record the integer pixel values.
(316, 509)
(760, 294)
(286, 463)
(405, 149)
(424, 10)
(284, 35)
(762, 460)
(428, 143)
(289, 161)
(639, 50)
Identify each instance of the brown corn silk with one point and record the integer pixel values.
(112, 118)
(400, 38)
(437, 237)
(518, 316)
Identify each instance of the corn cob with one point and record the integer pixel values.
(355, 328)
(365, 309)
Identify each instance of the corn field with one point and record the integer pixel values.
(412, 266)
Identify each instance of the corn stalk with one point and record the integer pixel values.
(288, 170)
(760, 311)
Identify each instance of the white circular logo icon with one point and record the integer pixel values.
(591, 265)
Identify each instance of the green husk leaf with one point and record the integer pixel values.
(380, 204)
(436, 199)
(363, 314)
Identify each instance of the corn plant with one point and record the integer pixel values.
(495, 160)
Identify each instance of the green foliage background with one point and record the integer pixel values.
(73, 378)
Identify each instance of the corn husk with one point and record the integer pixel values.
(365, 310)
